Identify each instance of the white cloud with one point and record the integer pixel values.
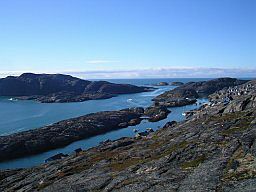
(184, 72)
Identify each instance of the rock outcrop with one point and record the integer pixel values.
(50, 88)
(176, 83)
(162, 84)
(215, 151)
(189, 92)
(156, 113)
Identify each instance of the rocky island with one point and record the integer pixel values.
(50, 88)
(176, 83)
(162, 84)
(213, 150)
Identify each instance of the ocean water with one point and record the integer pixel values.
(16, 116)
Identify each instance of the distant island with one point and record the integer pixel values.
(175, 83)
(59, 88)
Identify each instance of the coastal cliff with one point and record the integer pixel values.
(213, 150)
(49, 88)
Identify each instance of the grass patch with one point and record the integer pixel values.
(224, 117)
(240, 175)
(120, 166)
(242, 124)
(222, 143)
(233, 130)
(43, 185)
(194, 163)
(171, 149)
(245, 170)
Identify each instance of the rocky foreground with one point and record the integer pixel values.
(214, 150)
(58, 88)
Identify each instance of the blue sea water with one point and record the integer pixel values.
(16, 116)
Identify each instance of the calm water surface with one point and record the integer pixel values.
(18, 116)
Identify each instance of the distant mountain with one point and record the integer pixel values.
(62, 88)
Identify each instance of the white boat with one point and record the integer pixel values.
(13, 99)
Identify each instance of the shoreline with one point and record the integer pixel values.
(65, 132)
(94, 141)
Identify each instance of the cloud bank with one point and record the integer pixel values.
(168, 73)
(154, 73)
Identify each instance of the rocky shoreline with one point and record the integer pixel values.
(213, 150)
(188, 93)
(58, 88)
(229, 100)
(67, 131)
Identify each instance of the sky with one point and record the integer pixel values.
(129, 38)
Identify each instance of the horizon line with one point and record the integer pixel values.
(148, 73)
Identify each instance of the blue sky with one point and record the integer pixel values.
(128, 38)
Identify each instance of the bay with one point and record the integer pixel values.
(16, 116)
